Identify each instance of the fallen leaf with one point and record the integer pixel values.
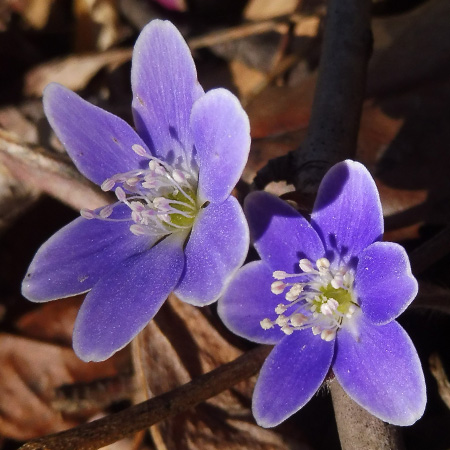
(29, 372)
(74, 72)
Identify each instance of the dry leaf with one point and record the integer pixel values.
(34, 12)
(37, 169)
(52, 321)
(74, 72)
(267, 9)
(29, 372)
(97, 24)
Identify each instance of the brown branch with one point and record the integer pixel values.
(359, 429)
(110, 429)
(336, 110)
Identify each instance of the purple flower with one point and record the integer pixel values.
(175, 226)
(342, 289)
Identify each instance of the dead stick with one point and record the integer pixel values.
(336, 110)
(358, 429)
(110, 429)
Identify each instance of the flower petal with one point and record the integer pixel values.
(347, 212)
(381, 372)
(123, 302)
(78, 255)
(216, 248)
(280, 234)
(290, 376)
(384, 282)
(247, 301)
(165, 86)
(221, 133)
(98, 142)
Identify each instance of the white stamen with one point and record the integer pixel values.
(277, 287)
(306, 265)
(286, 329)
(87, 214)
(279, 275)
(120, 194)
(266, 324)
(139, 150)
(280, 309)
(294, 292)
(108, 184)
(338, 281)
(281, 320)
(178, 176)
(328, 335)
(323, 264)
(297, 320)
(106, 211)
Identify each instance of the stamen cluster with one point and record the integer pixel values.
(161, 199)
(321, 300)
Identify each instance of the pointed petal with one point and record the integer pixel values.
(290, 376)
(221, 133)
(165, 86)
(381, 372)
(384, 283)
(78, 255)
(347, 212)
(247, 301)
(280, 234)
(216, 248)
(98, 142)
(122, 303)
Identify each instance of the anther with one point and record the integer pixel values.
(107, 185)
(306, 265)
(139, 150)
(279, 275)
(277, 287)
(266, 324)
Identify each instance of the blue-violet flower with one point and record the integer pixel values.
(174, 226)
(342, 290)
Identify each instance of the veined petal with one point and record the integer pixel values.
(165, 86)
(381, 372)
(98, 142)
(280, 234)
(290, 376)
(347, 212)
(216, 248)
(122, 303)
(221, 133)
(247, 301)
(384, 283)
(78, 255)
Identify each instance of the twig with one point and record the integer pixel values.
(336, 110)
(110, 429)
(365, 431)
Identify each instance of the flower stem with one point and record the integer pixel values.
(109, 429)
(359, 429)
